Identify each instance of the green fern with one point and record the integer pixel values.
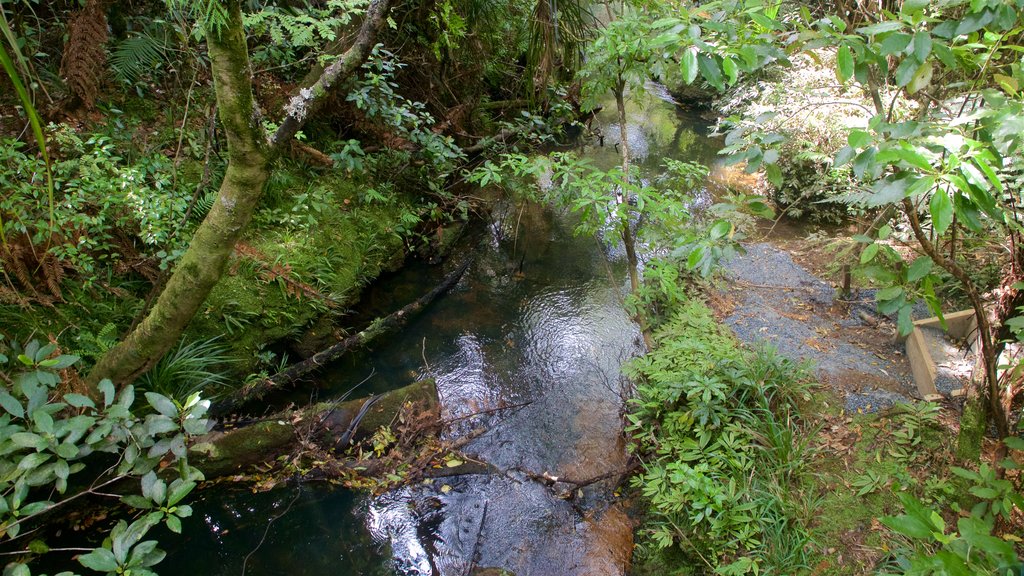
(92, 346)
(137, 55)
(203, 206)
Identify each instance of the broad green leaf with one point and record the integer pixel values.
(710, 70)
(895, 44)
(908, 526)
(731, 72)
(973, 21)
(844, 64)
(906, 70)
(911, 7)
(107, 388)
(173, 524)
(919, 268)
(880, 28)
(922, 77)
(774, 174)
(843, 157)
(100, 560)
(79, 401)
(60, 362)
(178, 491)
(858, 138)
(869, 253)
(942, 212)
(29, 440)
(688, 65)
(720, 229)
(889, 293)
(904, 322)
(11, 405)
(889, 190)
(922, 45)
(162, 404)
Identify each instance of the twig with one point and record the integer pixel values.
(482, 412)
(267, 530)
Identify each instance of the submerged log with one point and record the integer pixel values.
(260, 388)
(227, 452)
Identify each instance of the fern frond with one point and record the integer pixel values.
(133, 57)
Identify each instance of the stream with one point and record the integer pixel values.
(529, 346)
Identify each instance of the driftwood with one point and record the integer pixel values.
(260, 388)
(227, 452)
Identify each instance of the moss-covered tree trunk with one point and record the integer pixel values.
(250, 154)
(203, 263)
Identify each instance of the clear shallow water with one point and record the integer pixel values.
(537, 321)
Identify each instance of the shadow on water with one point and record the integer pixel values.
(534, 337)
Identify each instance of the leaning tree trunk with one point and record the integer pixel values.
(203, 263)
(250, 154)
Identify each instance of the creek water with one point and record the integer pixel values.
(533, 337)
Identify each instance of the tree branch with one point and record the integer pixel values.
(303, 104)
(984, 325)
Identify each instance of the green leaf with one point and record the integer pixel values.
(688, 65)
(919, 268)
(922, 45)
(174, 524)
(942, 212)
(890, 293)
(921, 79)
(136, 501)
(880, 28)
(79, 401)
(11, 405)
(710, 70)
(162, 404)
(906, 70)
(889, 190)
(904, 322)
(844, 64)
(720, 229)
(774, 174)
(100, 560)
(858, 138)
(29, 440)
(32, 461)
(60, 362)
(731, 72)
(43, 352)
(178, 491)
(107, 388)
(869, 253)
(911, 7)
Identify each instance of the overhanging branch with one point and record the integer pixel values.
(303, 104)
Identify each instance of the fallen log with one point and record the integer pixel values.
(259, 388)
(227, 452)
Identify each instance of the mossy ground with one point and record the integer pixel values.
(314, 245)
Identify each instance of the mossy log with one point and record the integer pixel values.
(260, 388)
(226, 452)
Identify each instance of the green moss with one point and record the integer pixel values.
(311, 249)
